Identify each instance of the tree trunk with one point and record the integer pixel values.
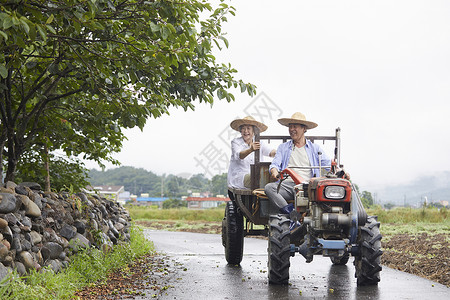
(47, 169)
(2, 145)
(11, 171)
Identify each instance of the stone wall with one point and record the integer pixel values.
(39, 229)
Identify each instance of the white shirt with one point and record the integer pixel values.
(299, 158)
(240, 167)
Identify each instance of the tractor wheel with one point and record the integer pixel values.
(340, 261)
(279, 249)
(233, 234)
(368, 262)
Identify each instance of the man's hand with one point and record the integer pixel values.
(342, 174)
(275, 174)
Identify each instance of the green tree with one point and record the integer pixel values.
(389, 205)
(219, 185)
(66, 173)
(198, 183)
(74, 73)
(366, 197)
(174, 203)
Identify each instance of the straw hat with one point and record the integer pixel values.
(249, 120)
(297, 118)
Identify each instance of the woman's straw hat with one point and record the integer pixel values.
(297, 118)
(249, 120)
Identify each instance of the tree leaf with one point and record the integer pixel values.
(3, 71)
(50, 19)
(4, 35)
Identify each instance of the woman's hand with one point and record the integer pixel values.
(255, 146)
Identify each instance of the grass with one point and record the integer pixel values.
(400, 215)
(412, 221)
(408, 215)
(87, 267)
(149, 213)
(395, 221)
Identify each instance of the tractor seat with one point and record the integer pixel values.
(261, 194)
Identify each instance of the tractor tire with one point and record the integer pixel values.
(233, 234)
(368, 262)
(279, 249)
(340, 261)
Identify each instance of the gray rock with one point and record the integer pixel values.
(21, 190)
(32, 185)
(62, 256)
(31, 209)
(112, 237)
(3, 251)
(26, 222)
(20, 267)
(10, 185)
(7, 234)
(38, 200)
(3, 223)
(55, 265)
(7, 203)
(51, 250)
(4, 271)
(94, 225)
(16, 245)
(80, 226)
(15, 229)
(7, 261)
(79, 241)
(68, 231)
(36, 238)
(11, 218)
(28, 261)
(26, 245)
(119, 226)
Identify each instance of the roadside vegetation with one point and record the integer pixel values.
(88, 267)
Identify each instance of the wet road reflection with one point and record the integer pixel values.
(206, 275)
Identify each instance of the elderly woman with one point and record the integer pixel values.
(242, 149)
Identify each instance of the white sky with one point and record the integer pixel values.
(379, 70)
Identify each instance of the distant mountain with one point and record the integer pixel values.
(432, 188)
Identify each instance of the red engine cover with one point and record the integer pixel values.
(317, 186)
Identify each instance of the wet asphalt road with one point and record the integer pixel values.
(203, 273)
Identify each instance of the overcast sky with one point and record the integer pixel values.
(379, 70)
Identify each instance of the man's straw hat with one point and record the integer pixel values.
(297, 118)
(249, 120)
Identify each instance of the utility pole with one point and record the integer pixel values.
(162, 191)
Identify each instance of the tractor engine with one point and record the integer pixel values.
(325, 204)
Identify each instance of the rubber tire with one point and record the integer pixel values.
(368, 262)
(233, 234)
(340, 261)
(279, 249)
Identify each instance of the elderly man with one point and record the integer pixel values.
(298, 152)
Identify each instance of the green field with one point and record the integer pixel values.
(394, 221)
(399, 215)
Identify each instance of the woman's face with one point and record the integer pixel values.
(247, 133)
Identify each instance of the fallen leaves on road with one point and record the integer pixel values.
(146, 277)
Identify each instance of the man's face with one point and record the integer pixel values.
(296, 131)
